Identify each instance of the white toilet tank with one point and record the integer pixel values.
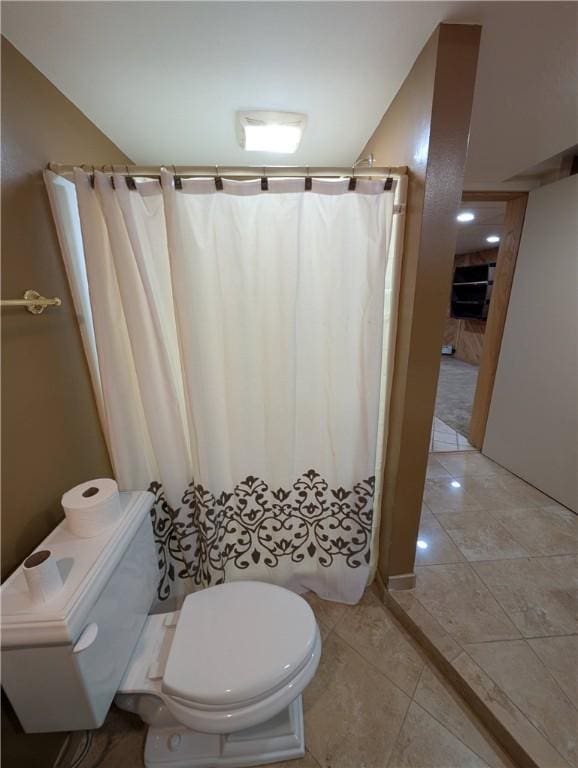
(62, 661)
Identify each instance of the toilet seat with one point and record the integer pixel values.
(241, 716)
(215, 686)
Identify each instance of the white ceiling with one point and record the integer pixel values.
(489, 220)
(164, 79)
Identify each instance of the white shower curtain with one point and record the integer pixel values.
(241, 361)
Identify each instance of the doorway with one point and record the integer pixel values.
(489, 227)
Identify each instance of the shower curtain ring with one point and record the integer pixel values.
(176, 178)
(130, 182)
(352, 180)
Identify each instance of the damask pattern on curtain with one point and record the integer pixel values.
(239, 343)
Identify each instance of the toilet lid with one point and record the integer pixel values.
(238, 641)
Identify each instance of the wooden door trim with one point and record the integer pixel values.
(503, 278)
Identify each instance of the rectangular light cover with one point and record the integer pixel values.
(279, 132)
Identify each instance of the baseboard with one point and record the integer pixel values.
(402, 581)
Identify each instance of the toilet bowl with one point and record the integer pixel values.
(220, 682)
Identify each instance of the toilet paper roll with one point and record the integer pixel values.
(92, 507)
(42, 576)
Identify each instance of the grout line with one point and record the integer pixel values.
(556, 683)
(398, 734)
(310, 753)
(470, 715)
(520, 710)
(525, 556)
(491, 595)
(530, 637)
(377, 669)
(443, 660)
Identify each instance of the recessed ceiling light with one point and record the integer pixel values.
(421, 544)
(279, 132)
(455, 484)
(465, 216)
(493, 239)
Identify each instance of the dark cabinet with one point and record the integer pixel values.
(472, 290)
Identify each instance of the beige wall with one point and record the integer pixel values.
(426, 128)
(51, 438)
(532, 426)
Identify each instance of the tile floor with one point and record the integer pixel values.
(376, 702)
(496, 567)
(496, 581)
(455, 393)
(445, 438)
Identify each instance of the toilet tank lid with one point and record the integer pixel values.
(85, 564)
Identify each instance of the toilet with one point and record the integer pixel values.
(218, 682)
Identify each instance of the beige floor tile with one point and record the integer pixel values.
(551, 530)
(305, 762)
(512, 719)
(521, 675)
(470, 464)
(503, 492)
(326, 612)
(438, 698)
(435, 469)
(434, 546)
(465, 446)
(442, 496)
(560, 656)
(480, 536)
(426, 624)
(440, 426)
(461, 603)
(119, 743)
(539, 593)
(442, 443)
(353, 714)
(425, 743)
(370, 629)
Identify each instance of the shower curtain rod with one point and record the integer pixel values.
(236, 172)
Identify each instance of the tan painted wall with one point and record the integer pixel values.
(532, 426)
(51, 438)
(426, 128)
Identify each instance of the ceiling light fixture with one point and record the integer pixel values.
(465, 216)
(279, 132)
(493, 239)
